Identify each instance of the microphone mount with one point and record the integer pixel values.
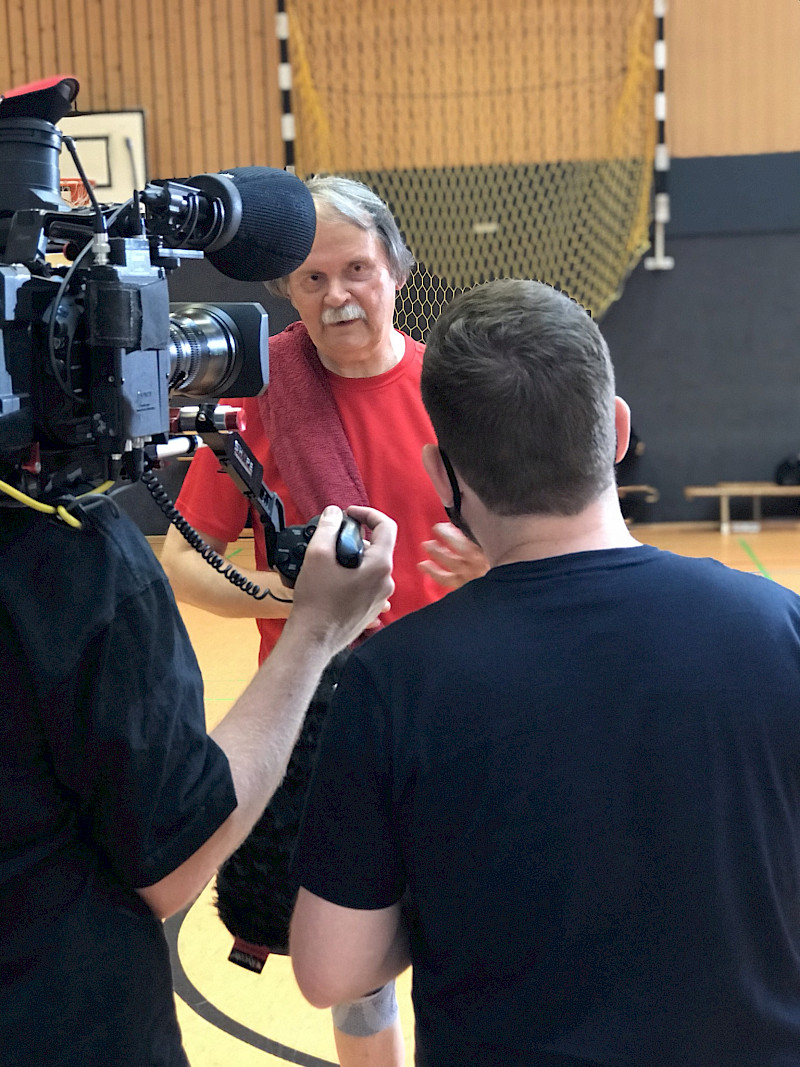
(204, 212)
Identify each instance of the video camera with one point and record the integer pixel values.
(91, 350)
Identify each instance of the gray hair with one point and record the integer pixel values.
(350, 201)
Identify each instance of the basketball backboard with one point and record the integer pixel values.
(111, 148)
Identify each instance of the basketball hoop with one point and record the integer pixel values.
(74, 192)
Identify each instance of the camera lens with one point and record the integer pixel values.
(204, 349)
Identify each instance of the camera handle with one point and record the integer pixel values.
(285, 545)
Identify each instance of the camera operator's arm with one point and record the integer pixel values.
(332, 606)
(195, 582)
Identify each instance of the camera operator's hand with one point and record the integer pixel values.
(335, 602)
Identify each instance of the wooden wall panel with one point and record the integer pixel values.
(259, 114)
(203, 71)
(733, 77)
(456, 84)
(17, 63)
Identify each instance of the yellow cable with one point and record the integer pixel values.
(47, 509)
(29, 501)
(100, 489)
(65, 516)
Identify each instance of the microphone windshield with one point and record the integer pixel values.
(277, 226)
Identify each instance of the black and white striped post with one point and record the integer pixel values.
(285, 85)
(659, 260)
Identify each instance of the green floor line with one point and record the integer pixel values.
(762, 569)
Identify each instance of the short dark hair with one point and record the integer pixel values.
(336, 197)
(519, 386)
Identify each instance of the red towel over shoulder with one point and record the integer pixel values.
(304, 428)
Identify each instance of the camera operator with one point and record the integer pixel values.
(116, 805)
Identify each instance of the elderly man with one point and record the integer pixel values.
(567, 793)
(341, 421)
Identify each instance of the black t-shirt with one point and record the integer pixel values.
(584, 774)
(108, 781)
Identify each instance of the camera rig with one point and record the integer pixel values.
(92, 351)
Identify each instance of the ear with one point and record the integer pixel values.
(434, 468)
(622, 421)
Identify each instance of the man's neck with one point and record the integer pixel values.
(372, 361)
(530, 537)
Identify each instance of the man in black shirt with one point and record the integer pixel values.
(569, 792)
(116, 807)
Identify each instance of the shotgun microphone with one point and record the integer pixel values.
(253, 223)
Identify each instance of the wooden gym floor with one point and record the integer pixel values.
(230, 1015)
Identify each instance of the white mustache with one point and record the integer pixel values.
(330, 316)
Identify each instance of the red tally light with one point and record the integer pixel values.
(33, 464)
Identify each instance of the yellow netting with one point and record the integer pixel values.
(510, 137)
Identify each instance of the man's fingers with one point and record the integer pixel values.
(436, 550)
(453, 559)
(445, 578)
(337, 602)
(451, 535)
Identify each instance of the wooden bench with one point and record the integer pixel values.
(646, 492)
(725, 490)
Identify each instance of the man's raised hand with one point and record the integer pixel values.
(453, 559)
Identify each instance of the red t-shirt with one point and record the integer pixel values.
(386, 425)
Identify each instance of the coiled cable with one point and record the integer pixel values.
(213, 558)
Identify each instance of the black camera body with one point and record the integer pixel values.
(90, 349)
(88, 369)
